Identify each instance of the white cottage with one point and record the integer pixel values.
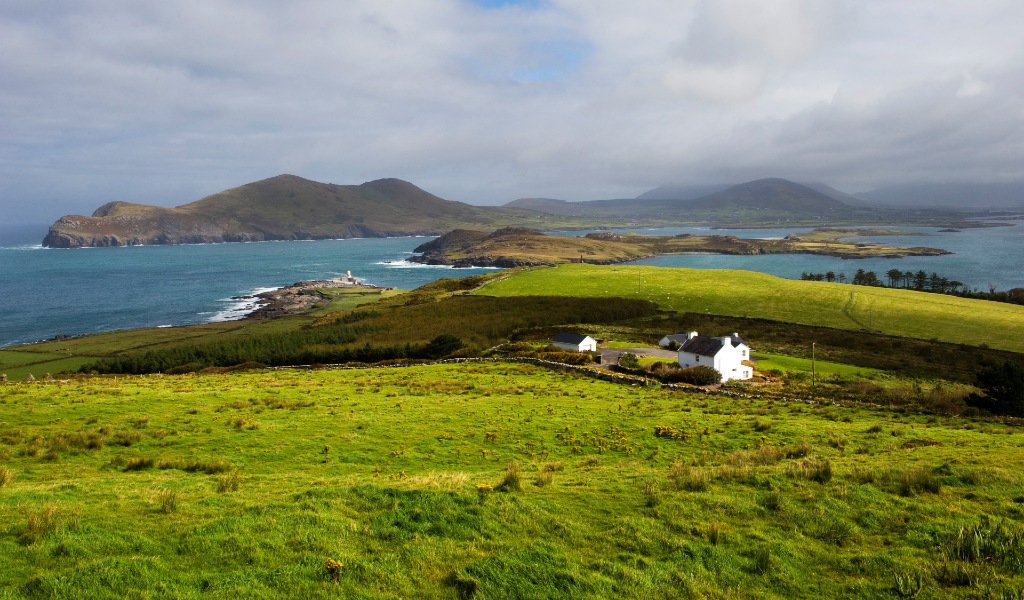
(726, 354)
(575, 342)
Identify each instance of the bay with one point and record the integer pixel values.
(46, 292)
(982, 257)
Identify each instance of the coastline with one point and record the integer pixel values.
(301, 297)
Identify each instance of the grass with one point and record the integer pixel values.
(490, 480)
(897, 312)
(803, 365)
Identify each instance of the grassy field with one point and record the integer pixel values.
(803, 365)
(244, 485)
(744, 293)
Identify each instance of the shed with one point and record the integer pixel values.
(575, 342)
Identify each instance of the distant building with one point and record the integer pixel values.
(575, 342)
(725, 354)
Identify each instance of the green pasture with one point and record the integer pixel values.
(898, 312)
(612, 344)
(243, 486)
(803, 365)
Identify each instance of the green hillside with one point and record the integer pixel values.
(493, 481)
(744, 293)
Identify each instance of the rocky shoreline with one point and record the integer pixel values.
(301, 297)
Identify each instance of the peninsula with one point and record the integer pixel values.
(511, 247)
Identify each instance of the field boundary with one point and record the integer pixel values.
(581, 370)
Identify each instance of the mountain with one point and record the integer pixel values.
(281, 208)
(680, 192)
(771, 194)
(778, 196)
(843, 197)
(957, 196)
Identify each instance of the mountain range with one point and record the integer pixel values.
(281, 208)
(288, 207)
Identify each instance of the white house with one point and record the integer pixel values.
(726, 354)
(575, 342)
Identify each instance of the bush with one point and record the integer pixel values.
(699, 375)
(1003, 384)
(629, 360)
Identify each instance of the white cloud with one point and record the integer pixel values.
(167, 101)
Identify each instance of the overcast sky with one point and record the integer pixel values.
(487, 101)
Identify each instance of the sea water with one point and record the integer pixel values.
(45, 292)
(983, 257)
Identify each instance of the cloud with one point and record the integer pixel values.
(165, 102)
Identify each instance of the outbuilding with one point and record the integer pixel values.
(575, 342)
(725, 354)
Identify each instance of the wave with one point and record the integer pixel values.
(401, 264)
(237, 308)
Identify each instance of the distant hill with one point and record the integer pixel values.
(281, 208)
(780, 197)
(958, 196)
(680, 192)
(772, 194)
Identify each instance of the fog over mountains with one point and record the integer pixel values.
(952, 196)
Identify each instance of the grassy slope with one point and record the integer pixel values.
(393, 497)
(744, 293)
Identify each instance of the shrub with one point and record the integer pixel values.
(772, 501)
(699, 375)
(138, 464)
(799, 450)
(513, 478)
(1003, 385)
(814, 470)
(544, 478)
(228, 483)
(629, 360)
(652, 494)
(913, 480)
(168, 501)
(690, 479)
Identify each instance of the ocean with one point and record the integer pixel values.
(45, 292)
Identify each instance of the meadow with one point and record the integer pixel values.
(492, 481)
(896, 312)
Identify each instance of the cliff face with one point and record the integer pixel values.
(280, 208)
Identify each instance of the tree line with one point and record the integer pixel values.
(920, 281)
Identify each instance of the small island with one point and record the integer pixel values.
(513, 247)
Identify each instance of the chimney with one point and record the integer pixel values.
(691, 335)
(735, 335)
(727, 341)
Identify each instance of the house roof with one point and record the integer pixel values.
(570, 338)
(702, 345)
(737, 340)
(679, 337)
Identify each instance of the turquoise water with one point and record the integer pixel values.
(982, 258)
(45, 292)
(58, 291)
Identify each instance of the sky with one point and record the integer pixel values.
(485, 101)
